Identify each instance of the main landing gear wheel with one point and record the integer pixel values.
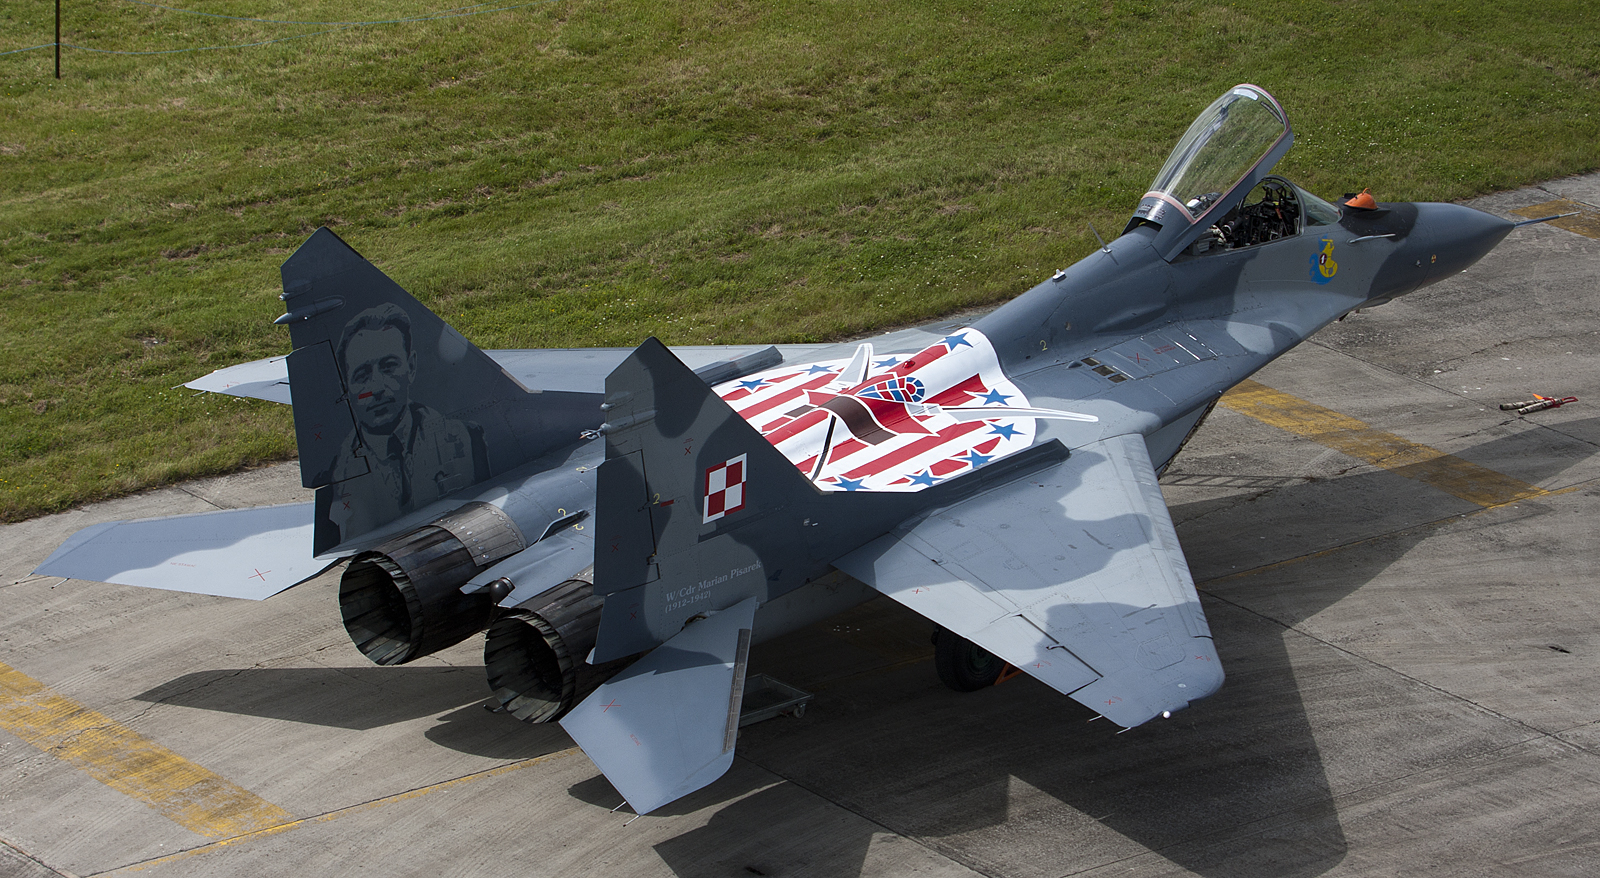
(963, 665)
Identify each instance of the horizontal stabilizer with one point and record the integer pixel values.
(237, 553)
(1073, 575)
(258, 379)
(665, 727)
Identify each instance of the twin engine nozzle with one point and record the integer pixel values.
(535, 654)
(403, 600)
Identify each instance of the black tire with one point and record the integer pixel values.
(963, 665)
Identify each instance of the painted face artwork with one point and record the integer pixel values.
(380, 371)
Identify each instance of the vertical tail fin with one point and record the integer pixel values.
(696, 511)
(394, 409)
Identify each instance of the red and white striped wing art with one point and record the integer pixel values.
(889, 431)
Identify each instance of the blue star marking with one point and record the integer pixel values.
(885, 363)
(954, 341)
(974, 459)
(924, 478)
(1005, 430)
(848, 484)
(995, 397)
(753, 383)
(818, 370)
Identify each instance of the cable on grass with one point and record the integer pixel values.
(456, 12)
(443, 13)
(29, 49)
(203, 48)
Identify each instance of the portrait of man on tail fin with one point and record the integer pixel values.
(413, 454)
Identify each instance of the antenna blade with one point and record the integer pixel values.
(1098, 238)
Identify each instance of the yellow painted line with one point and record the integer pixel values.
(123, 760)
(1400, 456)
(342, 812)
(1586, 223)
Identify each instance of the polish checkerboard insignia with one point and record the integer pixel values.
(725, 488)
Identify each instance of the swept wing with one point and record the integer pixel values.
(1073, 574)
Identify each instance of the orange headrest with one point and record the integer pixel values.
(1364, 201)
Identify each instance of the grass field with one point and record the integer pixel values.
(590, 173)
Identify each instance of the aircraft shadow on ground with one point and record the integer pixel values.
(363, 698)
(1234, 786)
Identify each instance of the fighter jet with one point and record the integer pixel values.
(625, 524)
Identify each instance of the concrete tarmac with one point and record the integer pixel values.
(1401, 581)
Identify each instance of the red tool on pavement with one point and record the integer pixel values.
(1537, 404)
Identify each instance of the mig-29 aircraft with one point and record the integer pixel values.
(998, 478)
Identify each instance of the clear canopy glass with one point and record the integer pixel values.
(1318, 212)
(1225, 142)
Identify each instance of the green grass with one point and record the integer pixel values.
(590, 173)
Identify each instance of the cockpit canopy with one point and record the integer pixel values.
(1229, 148)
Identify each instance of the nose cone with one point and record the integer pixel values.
(1454, 237)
